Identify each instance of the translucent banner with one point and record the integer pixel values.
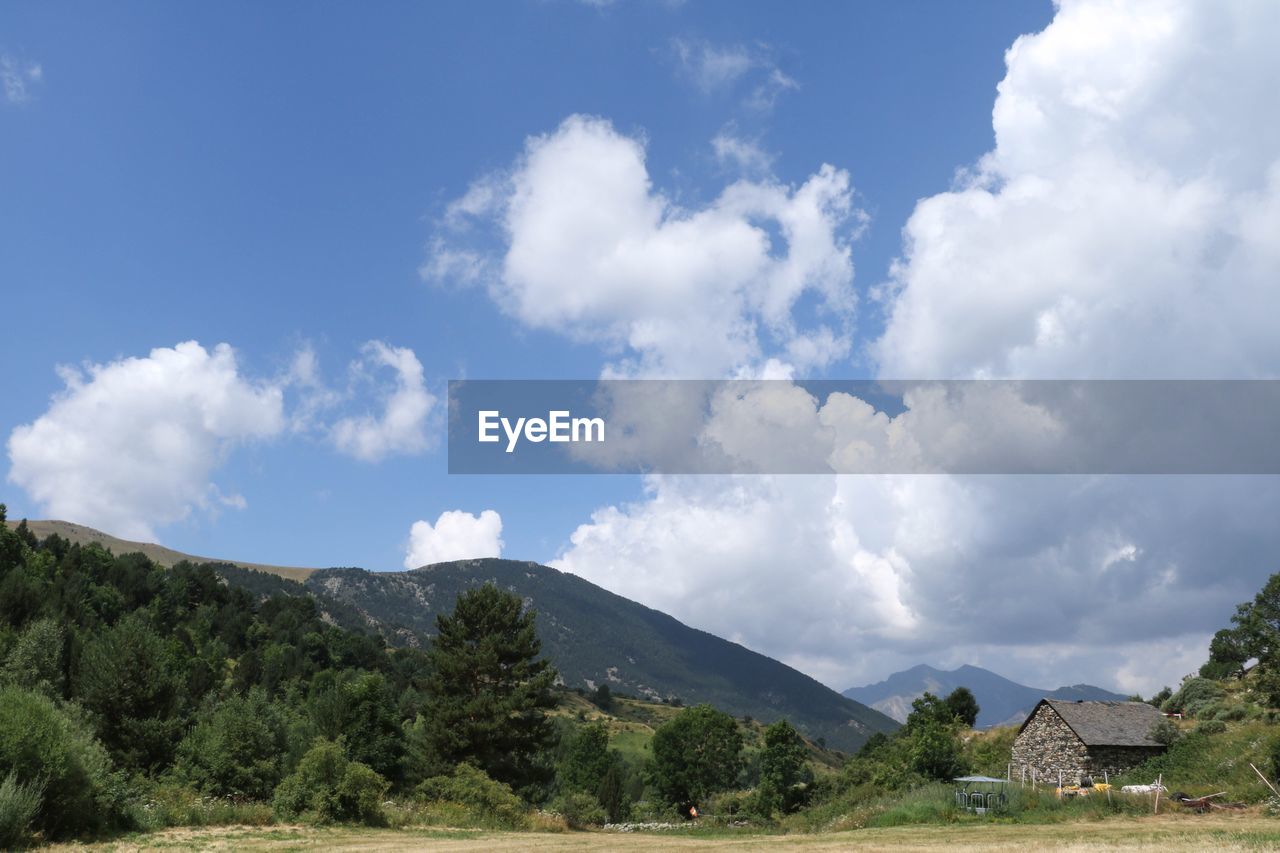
(864, 427)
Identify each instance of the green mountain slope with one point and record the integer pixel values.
(595, 637)
(591, 635)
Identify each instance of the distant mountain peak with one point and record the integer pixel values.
(1001, 700)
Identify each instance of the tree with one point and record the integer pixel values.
(1227, 655)
(590, 767)
(963, 706)
(602, 698)
(35, 662)
(782, 768)
(238, 749)
(933, 743)
(487, 692)
(129, 680)
(696, 754)
(935, 751)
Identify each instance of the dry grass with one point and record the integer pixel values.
(81, 535)
(1173, 833)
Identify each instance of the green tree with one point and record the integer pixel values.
(487, 693)
(131, 683)
(696, 754)
(44, 745)
(932, 741)
(588, 766)
(1227, 656)
(35, 662)
(963, 705)
(782, 768)
(935, 751)
(238, 749)
(359, 706)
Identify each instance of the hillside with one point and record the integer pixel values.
(1002, 701)
(80, 535)
(595, 637)
(591, 635)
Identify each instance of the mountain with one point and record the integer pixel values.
(81, 535)
(1002, 701)
(592, 636)
(595, 637)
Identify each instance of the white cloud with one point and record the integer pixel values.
(132, 444)
(745, 155)
(714, 68)
(17, 78)
(1124, 225)
(590, 249)
(401, 428)
(456, 535)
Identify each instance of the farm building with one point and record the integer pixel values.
(1079, 739)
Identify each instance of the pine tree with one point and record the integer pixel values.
(487, 692)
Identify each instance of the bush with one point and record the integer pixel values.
(328, 787)
(1196, 696)
(490, 803)
(237, 749)
(1231, 713)
(18, 806)
(1210, 727)
(579, 810)
(165, 805)
(40, 742)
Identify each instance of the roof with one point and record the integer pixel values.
(1105, 723)
(979, 779)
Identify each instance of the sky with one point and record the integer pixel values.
(243, 248)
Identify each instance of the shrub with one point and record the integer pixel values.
(165, 805)
(1195, 697)
(18, 806)
(236, 750)
(1231, 713)
(42, 742)
(1165, 732)
(1210, 727)
(328, 787)
(491, 803)
(579, 810)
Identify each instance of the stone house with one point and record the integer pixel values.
(1083, 739)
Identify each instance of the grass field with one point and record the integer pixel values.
(1164, 833)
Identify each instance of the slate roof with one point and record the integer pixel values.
(1106, 723)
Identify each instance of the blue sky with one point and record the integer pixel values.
(268, 175)
(364, 201)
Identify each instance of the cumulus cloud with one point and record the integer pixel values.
(849, 578)
(1124, 224)
(132, 444)
(401, 427)
(17, 78)
(588, 247)
(456, 535)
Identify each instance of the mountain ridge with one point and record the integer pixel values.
(591, 635)
(1001, 700)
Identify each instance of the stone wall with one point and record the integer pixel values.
(1048, 746)
(1117, 759)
